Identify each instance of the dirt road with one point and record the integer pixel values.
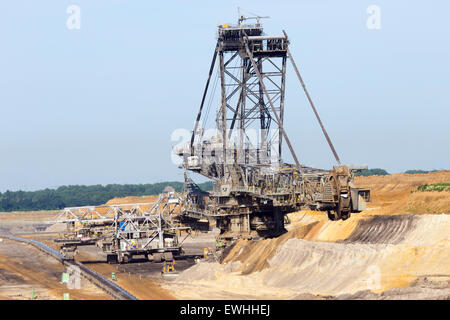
(24, 270)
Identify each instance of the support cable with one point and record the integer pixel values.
(280, 125)
(312, 104)
(211, 69)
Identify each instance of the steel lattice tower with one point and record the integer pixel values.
(243, 102)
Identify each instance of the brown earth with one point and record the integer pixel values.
(141, 287)
(24, 268)
(138, 199)
(391, 194)
(28, 216)
(133, 199)
(20, 263)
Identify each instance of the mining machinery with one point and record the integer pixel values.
(254, 188)
(124, 231)
(195, 207)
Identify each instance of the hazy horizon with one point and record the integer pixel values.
(199, 179)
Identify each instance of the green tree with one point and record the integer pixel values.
(372, 172)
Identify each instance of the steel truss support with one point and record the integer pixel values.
(278, 120)
(126, 222)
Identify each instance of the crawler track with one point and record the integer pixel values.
(97, 279)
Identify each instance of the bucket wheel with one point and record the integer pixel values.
(333, 215)
(111, 258)
(345, 215)
(337, 215)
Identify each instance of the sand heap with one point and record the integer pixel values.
(363, 257)
(133, 199)
(381, 253)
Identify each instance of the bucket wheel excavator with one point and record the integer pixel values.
(253, 188)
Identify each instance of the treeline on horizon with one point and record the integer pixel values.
(382, 172)
(80, 195)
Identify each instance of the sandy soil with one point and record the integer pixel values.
(406, 256)
(141, 279)
(132, 199)
(24, 268)
(142, 287)
(391, 194)
(26, 221)
(19, 262)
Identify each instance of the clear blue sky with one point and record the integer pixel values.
(98, 105)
